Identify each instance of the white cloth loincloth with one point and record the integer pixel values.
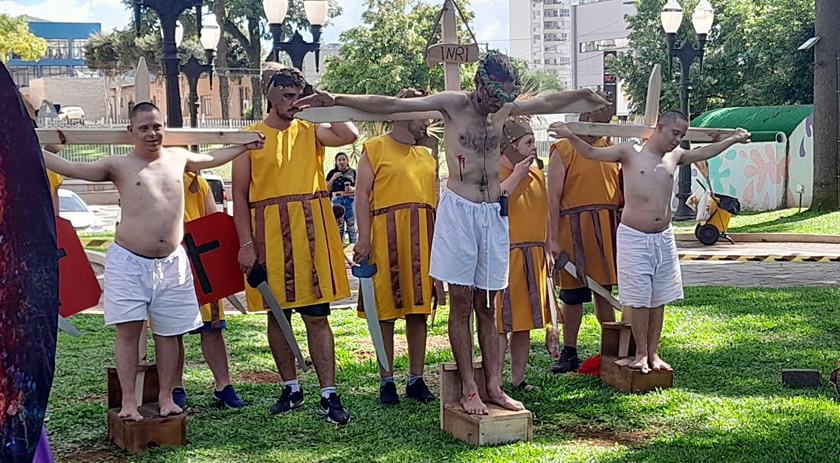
(648, 268)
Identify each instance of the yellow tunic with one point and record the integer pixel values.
(55, 181)
(194, 209)
(591, 189)
(292, 219)
(402, 220)
(522, 306)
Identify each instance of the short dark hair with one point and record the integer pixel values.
(341, 153)
(672, 115)
(143, 107)
(289, 77)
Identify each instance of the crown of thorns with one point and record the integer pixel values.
(494, 87)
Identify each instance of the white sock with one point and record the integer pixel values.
(294, 385)
(326, 391)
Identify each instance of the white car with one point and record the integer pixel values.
(71, 207)
(72, 114)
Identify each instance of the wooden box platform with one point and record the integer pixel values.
(499, 426)
(153, 431)
(617, 343)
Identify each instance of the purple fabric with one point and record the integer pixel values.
(43, 454)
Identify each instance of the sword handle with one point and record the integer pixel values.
(257, 276)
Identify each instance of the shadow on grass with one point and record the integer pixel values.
(779, 224)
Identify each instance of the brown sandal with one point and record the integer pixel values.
(523, 386)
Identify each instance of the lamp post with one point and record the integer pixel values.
(702, 19)
(297, 48)
(193, 69)
(168, 12)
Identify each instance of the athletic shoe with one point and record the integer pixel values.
(388, 394)
(229, 397)
(287, 401)
(566, 364)
(419, 391)
(179, 396)
(333, 410)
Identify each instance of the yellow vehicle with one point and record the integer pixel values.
(721, 209)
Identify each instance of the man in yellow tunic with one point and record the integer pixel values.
(198, 202)
(583, 200)
(284, 221)
(395, 209)
(520, 307)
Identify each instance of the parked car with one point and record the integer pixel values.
(71, 207)
(72, 114)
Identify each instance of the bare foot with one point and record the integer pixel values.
(501, 399)
(473, 405)
(657, 364)
(130, 413)
(624, 362)
(640, 363)
(169, 408)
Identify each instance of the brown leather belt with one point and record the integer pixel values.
(577, 237)
(530, 280)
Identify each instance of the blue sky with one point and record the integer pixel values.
(491, 22)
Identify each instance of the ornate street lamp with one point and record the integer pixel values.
(297, 48)
(702, 19)
(168, 12)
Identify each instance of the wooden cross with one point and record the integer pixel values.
(695, 134)
(173, 137)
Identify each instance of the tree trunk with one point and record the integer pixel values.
(826, 95)
(255, 57)
(221, 61)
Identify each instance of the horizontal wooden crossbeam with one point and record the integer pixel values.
(700, 135)
(173, 137)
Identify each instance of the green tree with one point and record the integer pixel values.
(16, 39)
(386, 53)
(541, 82)
(750, 57)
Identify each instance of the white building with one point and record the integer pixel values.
(570, 38)
(313, 77)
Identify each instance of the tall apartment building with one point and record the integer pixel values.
(65, 55)
(541, 34)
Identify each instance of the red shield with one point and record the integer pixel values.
(77, 286)
(213, 247)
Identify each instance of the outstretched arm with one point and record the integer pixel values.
(379, 104)
(556, 102)
(337, 133)
(221, 156)
(364, 192)
(99, 171)
(609, 154)
(710, 151)
(556, 183)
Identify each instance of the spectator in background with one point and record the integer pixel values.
(341, 182)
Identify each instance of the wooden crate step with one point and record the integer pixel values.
(627, 379)
(497, 427)
(153, 431)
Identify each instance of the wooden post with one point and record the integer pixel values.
(451, 71)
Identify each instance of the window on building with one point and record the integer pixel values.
(79, 48)
(607, 44)
(551, 13)
(206, 105)
(550, 24)
(58, 49)
(536, 37)
(562, 37)
(536, 62)
(564, 25)
(55, 71)
(564, 13)
(22, 74)
(563, 61)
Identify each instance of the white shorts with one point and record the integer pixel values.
(160, 289)
(648, 268)
(471, 245)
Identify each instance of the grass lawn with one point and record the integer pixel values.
(728, 346)
(781, 221)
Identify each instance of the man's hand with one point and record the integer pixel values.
(247, 258)
(555, 250)
(318, 99)
(559, 130)
(740, 135)
(256, 145)
(522, 167)
(441, 295)
(361, 250)
(549, 260)
(590, 95)
(552, 341)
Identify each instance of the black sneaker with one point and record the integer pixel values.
(566, 364)
(333, 410)
(288, 401)
(419, 391)
(388, 394)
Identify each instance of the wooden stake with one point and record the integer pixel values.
(142, 88)
(451, 71)
(173, 137)
(653, 93)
